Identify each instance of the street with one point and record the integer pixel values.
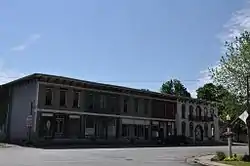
(169, 156)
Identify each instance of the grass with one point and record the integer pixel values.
(236, 163)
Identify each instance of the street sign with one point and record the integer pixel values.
(29, 121)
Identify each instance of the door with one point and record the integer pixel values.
(198, 133)
(60, 126)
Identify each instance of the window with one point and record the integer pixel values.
(191, 111)
(136, 105)
(125, 106)
(205, 112)
(113, 103)
(191, 129)
(102, 101)
(49, 96)
(76, 99)
(63, 98)
(183, 111)
(135, 130)
(206, 130)
(212, 130)
(125, 130)
(183, 128)
(198, 112)
(90, 99)
(140, 131)
(146, 108)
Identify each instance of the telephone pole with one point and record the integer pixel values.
(248, 118)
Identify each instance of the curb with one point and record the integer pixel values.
(208, 162)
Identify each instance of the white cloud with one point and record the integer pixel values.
(239, 22)
(29, 41)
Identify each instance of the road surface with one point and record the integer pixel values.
(170, 156)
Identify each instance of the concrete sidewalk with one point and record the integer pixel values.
(206, 160)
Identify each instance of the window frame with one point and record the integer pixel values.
(79, 99)
(52, 96)
(65, 98)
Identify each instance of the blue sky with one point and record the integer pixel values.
(136, 43)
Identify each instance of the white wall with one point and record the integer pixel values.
(179, 120)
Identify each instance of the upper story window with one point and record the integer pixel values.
(146, 108)
(136, 105)
(63, 97)
(205, 112)
(102, 101)
(113, 103)
(212, 112)
(125, 106)
(198, 112)
(90, 99)
(191, 110)
(76, 99)
(48, 96)
(183, 111)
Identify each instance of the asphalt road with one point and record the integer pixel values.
(170, 156)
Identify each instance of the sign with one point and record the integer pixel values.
(48, 124)
(29, 121)
(244, 116)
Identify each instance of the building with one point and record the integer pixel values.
(46, 107)
(42, 107)
(197, 119)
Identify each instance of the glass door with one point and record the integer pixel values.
(59, 126)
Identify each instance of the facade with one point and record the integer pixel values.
(46, 107)
(197, 120)
(42, 107)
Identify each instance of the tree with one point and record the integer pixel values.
(234, 67)
(228, 102)
(174, 87)
(232, 72)
(207, 92)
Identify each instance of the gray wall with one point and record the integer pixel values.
(22, 96)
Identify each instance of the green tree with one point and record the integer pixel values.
(234, 66)
(207, 92)
(174, 87)
(232, 72)
(228, 102)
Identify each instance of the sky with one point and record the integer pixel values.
(134, 43)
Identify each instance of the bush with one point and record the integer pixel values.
(220, 156)
(246, 158)
(231, 159)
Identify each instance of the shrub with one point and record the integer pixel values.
(220, 156)
(246, 158)
(231, 159)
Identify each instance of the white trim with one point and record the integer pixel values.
(105, 91)
(36, 105)
(47, 114)
(107, 115)
(74, 116)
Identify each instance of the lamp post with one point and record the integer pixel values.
(229, 136)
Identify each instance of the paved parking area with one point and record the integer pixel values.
(170, 156)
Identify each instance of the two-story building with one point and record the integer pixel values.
(47, 107)
(197, 119)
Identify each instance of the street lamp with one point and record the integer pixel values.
(229, 136)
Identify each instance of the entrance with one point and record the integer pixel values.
(198, 133)
(59, 126)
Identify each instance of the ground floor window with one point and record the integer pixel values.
(125, 130)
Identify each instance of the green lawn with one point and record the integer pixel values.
(236, 163)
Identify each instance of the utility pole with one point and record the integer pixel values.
(248, 118)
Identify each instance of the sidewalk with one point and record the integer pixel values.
(206, 160)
